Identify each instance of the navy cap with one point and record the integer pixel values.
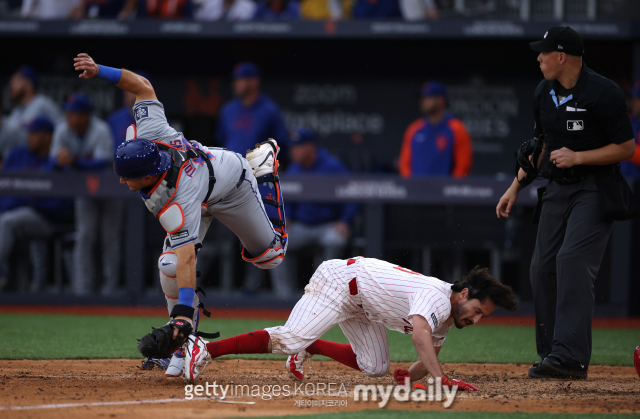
(139, 158)
(246, 70)
(78, 103)
(434, 88)
(29, 73)
(561, 39)
(301, 136)
(40, 124)
(635, 90)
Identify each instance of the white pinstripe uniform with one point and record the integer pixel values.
(364, 296)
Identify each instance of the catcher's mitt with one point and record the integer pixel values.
(160, 343)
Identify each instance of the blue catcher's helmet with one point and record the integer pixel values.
(139, 158)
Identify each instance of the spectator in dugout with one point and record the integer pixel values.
(50, 9)
(437, 144)
(230, 10)
(106, 9)
(413, 10)
(277, 10)
(631, 167)
(23, 91)
(376, 9)
(84, 142)
(312, 223)
(325, 9)
(24, 219)
(166, 9)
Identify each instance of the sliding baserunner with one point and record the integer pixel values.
(365, 297)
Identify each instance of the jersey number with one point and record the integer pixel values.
(189, 170)
(176, 144)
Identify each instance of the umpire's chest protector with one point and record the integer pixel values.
(575, 118)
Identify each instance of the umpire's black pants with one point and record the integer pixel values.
(569, 248)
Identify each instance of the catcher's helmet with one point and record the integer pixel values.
(139, 158)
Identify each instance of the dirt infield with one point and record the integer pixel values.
(118, 388)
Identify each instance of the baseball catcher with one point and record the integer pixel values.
(365, 297)
(185, 185)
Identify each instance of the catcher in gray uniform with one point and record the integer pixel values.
(185, 185)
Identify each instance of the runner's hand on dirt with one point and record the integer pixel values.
(400, 374)
(450, 382)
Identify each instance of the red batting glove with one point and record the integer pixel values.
(450, 382)
(400, 374)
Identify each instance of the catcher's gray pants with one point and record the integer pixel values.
(239, 207)
(25, 223)
(93, 217)
(570, 245)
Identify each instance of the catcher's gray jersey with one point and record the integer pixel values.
(234, 200)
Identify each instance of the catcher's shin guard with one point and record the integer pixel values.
(168, 280)
(271, 257)
(264, 163)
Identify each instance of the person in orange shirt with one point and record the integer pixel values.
(437, 144)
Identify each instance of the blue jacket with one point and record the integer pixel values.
(313, 213)
(119, 121)
(21, 159)
(443, 149)
(240, 129)
(631, 167)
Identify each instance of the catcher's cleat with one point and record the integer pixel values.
(147, 364)
(264, 158)
(150, 363)
(294, 365)
(196, 358)
(176, 365)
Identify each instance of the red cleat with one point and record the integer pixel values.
(636, 360)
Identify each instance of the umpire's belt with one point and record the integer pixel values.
(573, 180)
(607, 171)
(353, 283)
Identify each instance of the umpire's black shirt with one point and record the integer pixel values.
(588, 116)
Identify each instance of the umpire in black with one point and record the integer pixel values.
(583, 120)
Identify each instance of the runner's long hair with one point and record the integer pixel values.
(483, 285)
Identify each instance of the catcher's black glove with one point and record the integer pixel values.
(160, 343)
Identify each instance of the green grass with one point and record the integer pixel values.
(406, 414)
(35, 336)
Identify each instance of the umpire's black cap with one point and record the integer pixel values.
(561, 39)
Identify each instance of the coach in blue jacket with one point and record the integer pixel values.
(252, 117)
(312, 223)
